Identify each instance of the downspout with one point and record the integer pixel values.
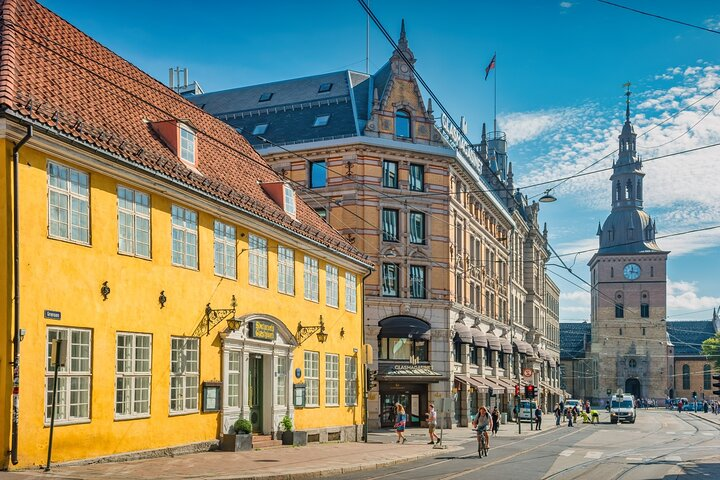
(366, 430)
(16, 279)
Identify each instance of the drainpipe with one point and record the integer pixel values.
(16, 277)
(364, 370)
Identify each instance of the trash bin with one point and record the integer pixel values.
(503, 418)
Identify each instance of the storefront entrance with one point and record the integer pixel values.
(255, 392)
(412, 397)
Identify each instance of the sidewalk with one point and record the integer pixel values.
(708, 417)
(280, 463)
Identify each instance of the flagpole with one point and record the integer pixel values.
(495, 97)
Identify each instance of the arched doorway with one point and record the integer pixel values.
(632, 387)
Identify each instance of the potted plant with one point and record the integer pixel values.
(240, 437)
(290, 436)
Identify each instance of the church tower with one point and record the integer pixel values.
(629, 347)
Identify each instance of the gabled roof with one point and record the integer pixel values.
(687, 335)
(574, 337)
(59, 78)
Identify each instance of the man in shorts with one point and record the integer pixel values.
(432, 423)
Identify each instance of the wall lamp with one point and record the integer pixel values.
(213, 316)
(162, 299)
(303, 333)
(105, 290)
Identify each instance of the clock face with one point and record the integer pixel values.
(631, 271)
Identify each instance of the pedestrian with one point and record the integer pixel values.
(680, 406)
(562, 410)
(538, 418)
(705, 406)
(558, 414)
(495, 420)
(568, 414)
(575, 413)
(587, 407)
(400, 419)
(432, 423)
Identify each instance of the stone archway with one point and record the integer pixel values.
(632, 387)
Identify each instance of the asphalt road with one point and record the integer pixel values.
(660, 445)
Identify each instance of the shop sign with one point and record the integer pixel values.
(263, 330)
(457, 140)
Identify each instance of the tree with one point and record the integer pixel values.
(711, 350)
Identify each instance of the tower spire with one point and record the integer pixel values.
(627, 102)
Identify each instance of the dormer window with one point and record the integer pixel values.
(260, 129)
(187, 144)
(402, 124)
(265, 97)
(289, 200)
(321, 120)
(325, 87)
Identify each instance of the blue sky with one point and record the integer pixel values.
(560, 70)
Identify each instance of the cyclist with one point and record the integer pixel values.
(483, 423)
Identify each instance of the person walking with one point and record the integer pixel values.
(569, 415)
(538, 417)
(400, 419)
(495, 420)
(558, 413)
(432, 423)
(562, 410)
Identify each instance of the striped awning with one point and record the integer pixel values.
(523, 347)
(493, 342)
(505, 345)
(463, 333)
(479, 337)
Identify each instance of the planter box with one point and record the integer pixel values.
(236, 442)
(294, 438)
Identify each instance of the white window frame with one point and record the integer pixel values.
(350, 292)
(77, 370)
(331, 285)
(136, 371)
(188, 141)
(312, 379)
(312, 279)
(134, 225)
(184, 375)
(281, 380)
(234, 366)
(184, 237)
(258, 261)
(351, 381)
(332, 380)
(68, 204)
(225, 250)
(289, 200)
(286, 270)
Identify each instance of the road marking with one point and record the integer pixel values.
(567, 453)
(709, 434)
(670, 433)
(673, 458)
(593, 454)
(688, 433)
(634, 459)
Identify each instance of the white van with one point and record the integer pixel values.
(527, 410)
(622, 408)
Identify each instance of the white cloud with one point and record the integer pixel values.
(531, 125)
(713, 23)
(566, 4)
(682, 297)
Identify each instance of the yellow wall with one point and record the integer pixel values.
(67, 277)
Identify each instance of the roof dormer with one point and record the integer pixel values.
(180, 137)
(282, 194)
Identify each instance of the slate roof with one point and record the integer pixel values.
(574, 336)
(59, 78)
(688, 335)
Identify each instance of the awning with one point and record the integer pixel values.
(472, 382)
(523, 346)
(401, 326)
(505, 345)
(493, 382)
(507, 383)
(463, 333)
(479, 337)
(493, 342)
(408, 373)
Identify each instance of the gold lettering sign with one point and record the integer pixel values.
(263, 330)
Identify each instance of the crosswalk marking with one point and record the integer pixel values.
(567, 453)
(594, 454)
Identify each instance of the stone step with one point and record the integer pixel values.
(266, 443)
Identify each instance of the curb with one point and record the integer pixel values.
(717, 424)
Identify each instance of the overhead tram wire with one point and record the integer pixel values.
(667, 19)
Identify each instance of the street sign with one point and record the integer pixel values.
(527, 372)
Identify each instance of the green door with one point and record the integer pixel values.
(255, 390)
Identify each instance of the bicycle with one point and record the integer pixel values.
(482, 444)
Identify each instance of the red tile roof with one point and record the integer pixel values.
(55, 75)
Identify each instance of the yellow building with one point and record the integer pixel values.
(188, 281)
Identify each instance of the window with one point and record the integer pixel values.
(390, 287)
(501, 361)
(619, 310)
(350, 292)
(265, 97)
(325, 87)
(133, 222)
(402, 124)
(632, 363)
(417, 281)
(706, 377)
(184, 374)
(322, 212)
(331, 285)
(390, 170)
(281, 381)
(68, 203)
(686, 377)
(73, 392)
(225, 263)
(286, 270)
(260, 129)
(473, 355)
(187, 144)
(312, 379)
(321, 120)
(184, 237)
(390, 225)
(318, 174)
(403, 349)
(132, 375)
(457, 352)
(289, 200)
(417, 228)
(233, 380)
(350, 381)
(332, 379)
(258, 258)
(417, 178)
(644, 310)
(488, 357)
(311, 279)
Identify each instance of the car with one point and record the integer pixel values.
(570, 403)
(622, 408)
(527, 410)
(691, 407)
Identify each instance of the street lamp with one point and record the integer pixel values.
(547, 197)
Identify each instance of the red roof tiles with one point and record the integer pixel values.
(72, 84)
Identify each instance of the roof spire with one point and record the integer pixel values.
(403, 38)
(627, 102)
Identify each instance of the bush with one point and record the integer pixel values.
(242, 425)
(286, 424)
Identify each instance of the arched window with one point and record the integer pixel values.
(638, 189)
(618, 190)
(706, 377)
(686, 377)
(402, 124)
(632, 363)
(629, 190)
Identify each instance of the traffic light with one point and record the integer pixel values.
(517, 390)
(716, 377)
(529, 391)
(370, 379)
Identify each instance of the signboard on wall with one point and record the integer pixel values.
(263, 330)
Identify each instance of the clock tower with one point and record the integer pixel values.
(629, 349)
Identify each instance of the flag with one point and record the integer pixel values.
(490, 66)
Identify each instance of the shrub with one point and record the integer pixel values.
(286, 424)
(242, 425)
